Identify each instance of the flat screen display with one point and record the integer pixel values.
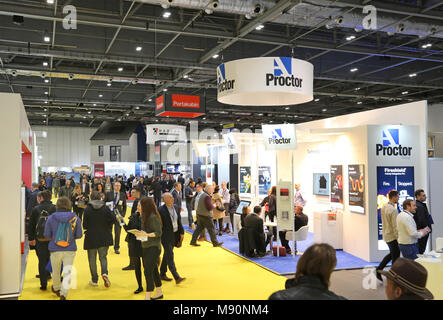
(241, 205)
(321, 184)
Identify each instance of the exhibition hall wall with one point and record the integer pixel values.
(64, 146)
(435, 116)
(128, 149)
(351, 140)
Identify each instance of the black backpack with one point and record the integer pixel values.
(41, 223)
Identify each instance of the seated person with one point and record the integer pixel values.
(300, 220)
(254, 223)
(244, 212)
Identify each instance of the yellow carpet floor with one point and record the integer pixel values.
(211, 274)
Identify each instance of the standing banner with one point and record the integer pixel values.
(356, 174)
(337, 187)
(264, 179)
(392, 178)
(245, 179)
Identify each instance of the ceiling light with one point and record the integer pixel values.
(350, 38)
(46, 102)
(44, 121)
(324, 110)
(45, 64)
(359, 102)
(46, 80)
(425, 46)
(156, 120)
(46, 37)
(204, 118)
(120, 69)
(260, 114)
(100, 96)
(89, 112)
(46, 92)
(404, 92)
(259, 27)
(412, 75)
(271, 121)
(45, 109)
(287, 108)
(127, 114)
(137, 108)
(109, 84)
(166, 14)
(215, 56)
(354, 69)
(84, 117)
(317, 100)
(150, 100)
(50, 1)
(94, 104)
(138, 48)
(164, 90)
(356, 89)
(185, 76)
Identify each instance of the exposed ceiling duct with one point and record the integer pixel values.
(312, 13)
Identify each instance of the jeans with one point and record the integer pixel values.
(57, 259)
(117, 232)
(409, 251)
(394, 253)
(204, 222)
(42, 251)
(92, 258)
(150, 264)
(168, 261)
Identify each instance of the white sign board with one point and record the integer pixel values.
(120, 168)
(165, 132)
(279, 137)
(268, 81)
(285, 205)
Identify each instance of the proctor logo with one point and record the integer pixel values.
(277, 138)
(282, 76)
(391, 145)
(224, 84)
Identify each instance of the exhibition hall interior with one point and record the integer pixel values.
(221, 150)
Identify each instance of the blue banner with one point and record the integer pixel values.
(393, 178)
(264, 180)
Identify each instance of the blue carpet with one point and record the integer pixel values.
(288, 264)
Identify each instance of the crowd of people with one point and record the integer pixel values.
(95, 208)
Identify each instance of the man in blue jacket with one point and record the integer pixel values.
(62, 254)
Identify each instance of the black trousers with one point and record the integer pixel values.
(284, 242)
(202, 223)
(422, 243)
(168, 261)
(157, 200)
(151, 256)
(394, 253)
(136, 262)
(117, 232)
(43, 255)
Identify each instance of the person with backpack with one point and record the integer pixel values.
(97, 223)
(63, 228)
(39, 216)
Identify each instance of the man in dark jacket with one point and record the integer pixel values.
(422, 219)
(118, 200)
(189, 195)
(177, 195)
(37, 239)
(32, 202)
(97, 223)
(85, 187)
(136, 193)
(300, 220)
(157, 191)
(254, 223)
(172, 234)
(67, 190)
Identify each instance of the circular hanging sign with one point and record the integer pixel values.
(268, 81)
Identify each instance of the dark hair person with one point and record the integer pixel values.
(312, 278)
(152, 225)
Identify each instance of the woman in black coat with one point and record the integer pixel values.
(135, 248)
(97, 223)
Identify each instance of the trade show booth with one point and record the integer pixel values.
(19, 165)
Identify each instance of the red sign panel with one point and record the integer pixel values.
(185, 101)
(99, 170)
(160, 102)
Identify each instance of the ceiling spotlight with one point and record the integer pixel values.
(46, 92)
(358, 30)
(203, 118)
(215, 56)
(45, 63)
(100, 96)
(412, 75)
(338, 20)
(271, 121)
(425, 46)
(317, 100)
(186, 76)
(89, 112)
(156, 120)
(46, 80)
(248, 16)
(70, 76)
(139, 47)
(209, 11)
(390, 34)
(43, 75)
(356, 89)
(137, 108)
(164, 90)
(94, 104)
(14, 73)
(329, 26)
(110, 80)
(354, 69)
(259, 27)
(134, 81)
(120, 69)
(324, 110)
(166, 14)
(45, 109)
(109, 84)
(359, 102)
(127, 114)
(350, 38)
(287, 108)
(258, 8)
(84, 117)
(404, 92)
(46, 37)
(50, 1)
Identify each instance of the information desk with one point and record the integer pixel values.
(328, 228)
(435, 275)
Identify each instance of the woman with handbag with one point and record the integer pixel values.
(79, 201)
(219, 210)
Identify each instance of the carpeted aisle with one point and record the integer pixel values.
(211, 274)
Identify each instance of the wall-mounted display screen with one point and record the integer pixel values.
(241, 205)
(321, 184)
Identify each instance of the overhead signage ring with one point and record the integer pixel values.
(268, 81)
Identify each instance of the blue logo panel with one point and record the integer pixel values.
(285, 63)
(221, 73)
(391, 137)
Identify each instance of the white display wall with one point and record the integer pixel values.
(64, 146)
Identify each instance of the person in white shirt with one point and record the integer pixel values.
(407, 230)
(298, 198)
(226, 200)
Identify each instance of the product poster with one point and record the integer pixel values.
(337, 187)
(264, 179)
(321, 184)
(356, 174)
(245, 179)
(392, 178)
